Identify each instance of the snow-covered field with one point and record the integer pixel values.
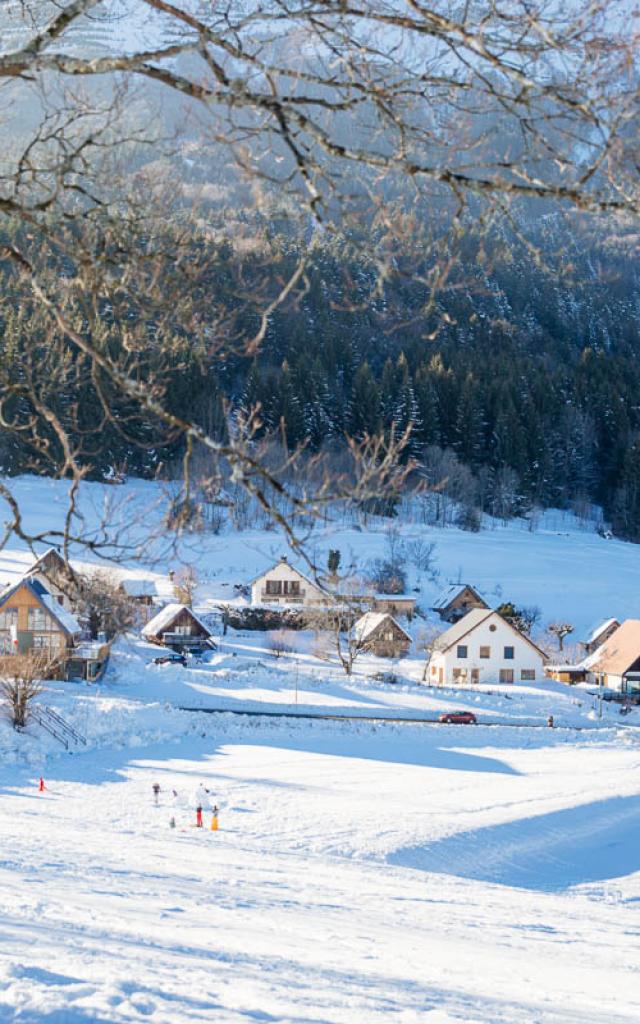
(363, 871)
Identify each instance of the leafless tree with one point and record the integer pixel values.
(99, 600)
(185, 584)
(329, 116)
(20, 685)
(560, 630)
(337, 632)
(280, 642)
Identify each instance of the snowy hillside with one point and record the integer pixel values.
(564, 568)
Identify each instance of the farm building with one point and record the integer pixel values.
(395, 604)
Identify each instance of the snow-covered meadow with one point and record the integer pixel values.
(364, 871)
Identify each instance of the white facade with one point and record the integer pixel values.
(483, 648)
(286, 586)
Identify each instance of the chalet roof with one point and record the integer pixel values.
(160, 622)
(469, 622)
(369, 622)
(139, 587)
(68, 622)
(598, 629)
(619, 652)
(447, 596)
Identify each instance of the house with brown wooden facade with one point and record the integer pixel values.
(456, 601)
(379, 633)
(395, 604)
(32, 620)
(177, 626)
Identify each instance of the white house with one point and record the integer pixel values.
(482, 647)
(285, 585)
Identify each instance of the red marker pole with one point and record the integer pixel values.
(41, 787)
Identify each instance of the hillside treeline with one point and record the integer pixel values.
(521, 381)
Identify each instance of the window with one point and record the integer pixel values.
(291, 587)
(37, 618)
(509, 653)
(274, 586)
(433, 670)
(182, 630)
(8, 618)
(462, 651)
(46, 641)
(485, 652)
(528, 673)
(389, 636)
(506, 675)
(459, 675)
(475, 675)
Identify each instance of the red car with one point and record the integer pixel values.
(458, 718)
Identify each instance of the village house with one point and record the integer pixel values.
(615, 664)
(380, 634)
(458, 599)
(177, 626)
(483, 647)
(32, 620)
(395, 604)
(51, 570)
(285, 585)
(599, 634)
(141, 593)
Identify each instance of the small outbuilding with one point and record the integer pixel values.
(395, 604)
(177, 626)
(456, 601)
(380, 634)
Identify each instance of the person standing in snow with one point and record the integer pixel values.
(156, 792)
(198, 816)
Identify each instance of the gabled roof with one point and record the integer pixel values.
(285, 561)
(617, 654)
(447, 596)
(160, 622)
(370, 621)
(469, 622)
(67, 622)
(597, 630)
(49, 553)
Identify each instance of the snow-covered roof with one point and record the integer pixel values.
(471, 621)
(139, 587)
(598, 629)
(463, 626)
(617, 654)
(447, 596)
(285, 561)
(394, 597)
(64, 618)
(370, 621)
(160, 622)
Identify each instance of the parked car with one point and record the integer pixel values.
(458, 718)
(170, 659)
